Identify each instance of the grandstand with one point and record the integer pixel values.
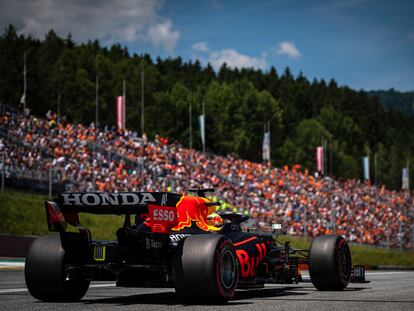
(47, 153)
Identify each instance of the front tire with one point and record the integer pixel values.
(205, 269)
(330, 263)
(45, 275)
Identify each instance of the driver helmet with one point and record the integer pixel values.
(215, 220)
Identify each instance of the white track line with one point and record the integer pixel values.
(306, 273)
(12, 290)
(103, 285)
(11, 264)
(388, 272)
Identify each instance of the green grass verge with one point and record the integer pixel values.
(24, 214)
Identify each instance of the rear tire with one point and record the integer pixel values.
(205, 269)
(330, 263)
(45, 275)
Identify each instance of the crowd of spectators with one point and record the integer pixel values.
(90, 159)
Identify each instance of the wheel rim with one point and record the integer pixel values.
(227, 269)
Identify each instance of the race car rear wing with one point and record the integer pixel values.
(161, 207)
(114, 203)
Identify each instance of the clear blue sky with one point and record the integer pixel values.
(360, 43)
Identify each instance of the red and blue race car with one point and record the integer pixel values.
(172, 241)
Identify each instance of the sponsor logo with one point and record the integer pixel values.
(164, 199)
(162, 218)
(151, 243)
(107, 199)
(178, 237)
(192, 209)
(163, 215)
(248, 264)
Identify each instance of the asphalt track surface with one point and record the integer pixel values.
(387, 291)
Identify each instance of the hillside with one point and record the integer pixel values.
(399, 101)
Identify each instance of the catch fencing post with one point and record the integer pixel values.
(401, 230)
(94, 163)
(412, 236)
(50, 182)
(142, 103)
(3, 170)
(388, 235)
(191, 131)
(333, 211)
(305, 222)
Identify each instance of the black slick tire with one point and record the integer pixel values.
(330, 263)
(45, 275)
(205, 269)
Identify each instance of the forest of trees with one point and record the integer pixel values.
(237, 104)
(392, 99)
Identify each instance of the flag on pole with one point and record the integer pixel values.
(202, 129)
(120, 112)
(266, 147)
(23, 99)
(365, 168)
(405, 178)
(319, 159)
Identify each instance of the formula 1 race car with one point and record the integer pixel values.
(171, 243)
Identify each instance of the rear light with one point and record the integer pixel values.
(55, 219)
(99, 252)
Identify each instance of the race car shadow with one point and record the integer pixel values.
(268, 292)
(165, 298)
(171, 298)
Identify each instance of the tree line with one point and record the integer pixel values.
(395, 100)
(238, 102)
